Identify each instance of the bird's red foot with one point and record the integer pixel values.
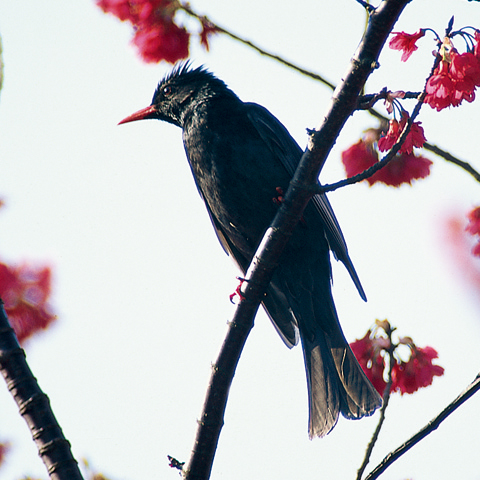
(238, 290)
(279, 198)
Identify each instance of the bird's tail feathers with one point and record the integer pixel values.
(336, 384)
(323, 392)
(360, 398)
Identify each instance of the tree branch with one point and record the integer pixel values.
(34, 405)
(428, 146)
(202, 18)
(265, 259)
(450, 158)
(429, 428)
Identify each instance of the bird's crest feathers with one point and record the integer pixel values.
(184, 74)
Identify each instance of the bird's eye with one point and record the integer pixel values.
(167, 90)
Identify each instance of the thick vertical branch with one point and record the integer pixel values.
(265, 260)
(34, 406)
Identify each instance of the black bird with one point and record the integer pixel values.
(241, 157)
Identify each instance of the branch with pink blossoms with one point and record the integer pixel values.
(453, 78)
(384, 161)
(366, 98)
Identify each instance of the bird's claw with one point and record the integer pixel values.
(280, 197)
(238, 290)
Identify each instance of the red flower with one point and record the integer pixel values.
(25, 291)
(387, 141)
(407, 377)
(358, 158)
(405, 42)
(476, 48)
(402, 169)
(119, 8)
(368, 353)
(162, 41)
(465, 67)
(418, 372)
(157, 36)
(456, 77)
(363, 348)
(473, 228)
(415, 137)
(440, 88)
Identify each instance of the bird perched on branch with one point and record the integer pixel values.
(241, 157)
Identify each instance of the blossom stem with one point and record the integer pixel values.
(473, 388)
(437, 38)
(386, 399)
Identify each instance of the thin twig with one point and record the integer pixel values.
(186, 8)
(450, 158)
(473, 388)
(386, 398)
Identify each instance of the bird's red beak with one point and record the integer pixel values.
(148, 112)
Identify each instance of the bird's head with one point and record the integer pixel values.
(179, 93)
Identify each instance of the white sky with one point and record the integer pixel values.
(141, 285)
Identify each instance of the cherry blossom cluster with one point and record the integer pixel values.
(403, 168)
(415, 137)
(376, 349)
(25, 291)
(454, 79)
(456, 76)
(157, 35)
(406, 165)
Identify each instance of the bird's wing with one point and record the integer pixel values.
(287, 150)
(275, 303)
